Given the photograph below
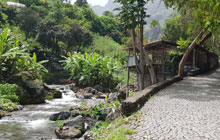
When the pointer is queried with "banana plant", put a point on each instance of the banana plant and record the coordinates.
(90, 69)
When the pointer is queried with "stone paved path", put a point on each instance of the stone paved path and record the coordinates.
(187, 110)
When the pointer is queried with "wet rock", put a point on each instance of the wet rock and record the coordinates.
(88, 136)
(79, 95)
(16, 108)
(89, 89)
(74, 89)
(88, 96)
(67, 132)
(98, 88)
(2, 114)
(122, 93)
(19, 107)
(101, 95)
(112, 97)
(77, 122)
(76, 111)
(31, 89)
(55, 93)
(89, 123)
(60, 116)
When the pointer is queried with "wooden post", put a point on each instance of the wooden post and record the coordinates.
(194, 59)
(128, 77)
(163, 62)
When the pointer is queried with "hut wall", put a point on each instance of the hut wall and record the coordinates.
(213, 61)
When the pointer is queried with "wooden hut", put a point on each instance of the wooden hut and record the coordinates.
(200, 60)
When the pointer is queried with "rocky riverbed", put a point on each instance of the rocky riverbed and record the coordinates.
(33, 121)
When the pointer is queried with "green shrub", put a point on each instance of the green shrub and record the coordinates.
(91, 69)
(8, 91)
(106, 46)
(14, 58)
(8, 97)
(97, 112)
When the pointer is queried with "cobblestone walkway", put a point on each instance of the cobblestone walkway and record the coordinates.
(187, 110)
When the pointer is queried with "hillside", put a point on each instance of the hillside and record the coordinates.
(157, 10)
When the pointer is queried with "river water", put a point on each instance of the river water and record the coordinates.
(32, 123)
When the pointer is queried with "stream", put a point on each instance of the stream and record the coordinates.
(32, 123)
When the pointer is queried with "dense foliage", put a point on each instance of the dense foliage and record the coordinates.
(14, 58)
(8, 97)
(61, 27)
(91, 69)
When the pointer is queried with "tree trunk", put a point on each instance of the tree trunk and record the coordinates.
(142, 62)
(187, 53)
(134, 49)
(150, 67)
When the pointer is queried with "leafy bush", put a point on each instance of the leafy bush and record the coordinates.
(8, 97)
(176, 56)
(91, 69)
(98, 111)
(14, 58)
(107, 47)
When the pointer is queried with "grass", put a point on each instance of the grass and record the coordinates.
(113, 131)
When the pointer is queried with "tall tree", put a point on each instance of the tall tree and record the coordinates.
(132, 15)
(81, 3)
(28, 21)
(206, 14)
(108, 14)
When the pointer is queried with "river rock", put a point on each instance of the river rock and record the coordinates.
(89, 123)
(55, 93)
(77, 122)
(2, 114)
(74, 89)
(98, 88)
(67, 132)
(18, 107)
(80, 108)
(88, 96)
(60, 116)
(112, 97)
(101, 95)
(31, 89)
(87, 136)
(79, 95)
(122, 93)
(89, 89)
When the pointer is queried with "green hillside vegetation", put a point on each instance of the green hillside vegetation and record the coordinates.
(46, 33)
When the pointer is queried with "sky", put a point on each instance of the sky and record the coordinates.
(96, 2)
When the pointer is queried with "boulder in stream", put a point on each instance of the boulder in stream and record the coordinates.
(53, 92)
(88, 96)
(2, 114)
(60, 116)
(31, 89)
(67, 132)
(77, 122)
(98, 88)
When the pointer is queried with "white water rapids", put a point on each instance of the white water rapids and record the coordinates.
(32, 123)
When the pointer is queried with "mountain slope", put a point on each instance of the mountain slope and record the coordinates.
(157, 11)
